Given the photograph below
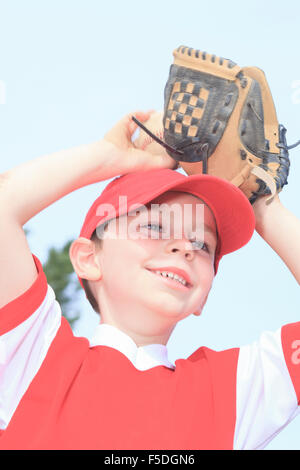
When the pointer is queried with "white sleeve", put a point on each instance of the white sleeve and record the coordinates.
(24, 342)
(266, 396)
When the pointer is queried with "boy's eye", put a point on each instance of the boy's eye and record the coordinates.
(199, 245)
(157, 226)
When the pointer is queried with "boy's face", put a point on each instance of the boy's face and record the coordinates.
(131, 295)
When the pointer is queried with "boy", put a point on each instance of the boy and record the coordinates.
(120, 391)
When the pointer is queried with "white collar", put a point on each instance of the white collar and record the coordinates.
(142, 357)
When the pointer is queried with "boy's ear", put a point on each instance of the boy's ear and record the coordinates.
(85, 263)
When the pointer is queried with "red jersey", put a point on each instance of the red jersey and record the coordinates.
(58, 391)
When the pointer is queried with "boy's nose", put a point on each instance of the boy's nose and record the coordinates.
(182, 245)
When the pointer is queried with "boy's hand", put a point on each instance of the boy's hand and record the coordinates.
(128, 158)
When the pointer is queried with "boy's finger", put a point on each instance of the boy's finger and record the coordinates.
(132, 127)
(140, 116)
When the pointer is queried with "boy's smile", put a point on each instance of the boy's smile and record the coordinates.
(173, 273)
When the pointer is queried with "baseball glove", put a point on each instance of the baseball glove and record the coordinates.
(220, 119)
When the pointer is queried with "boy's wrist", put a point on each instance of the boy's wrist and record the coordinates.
(105, 157)
(264, 211)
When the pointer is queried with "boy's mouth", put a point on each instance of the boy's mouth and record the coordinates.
(172, 279)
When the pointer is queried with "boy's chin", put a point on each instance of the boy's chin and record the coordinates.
(168, 310)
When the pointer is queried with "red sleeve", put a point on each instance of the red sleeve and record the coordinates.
(21, 308)
(290, 337)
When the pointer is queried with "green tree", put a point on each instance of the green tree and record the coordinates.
(61, 277)
(63, 280)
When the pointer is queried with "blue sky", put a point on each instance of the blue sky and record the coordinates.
(69, 69)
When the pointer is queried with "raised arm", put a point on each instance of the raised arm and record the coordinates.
(33, 186)
(280, 228)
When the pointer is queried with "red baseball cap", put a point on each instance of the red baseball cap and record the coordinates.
(233, 212)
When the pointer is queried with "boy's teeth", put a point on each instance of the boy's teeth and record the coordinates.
(172, 276)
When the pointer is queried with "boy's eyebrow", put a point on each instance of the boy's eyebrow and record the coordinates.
(209, 229)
